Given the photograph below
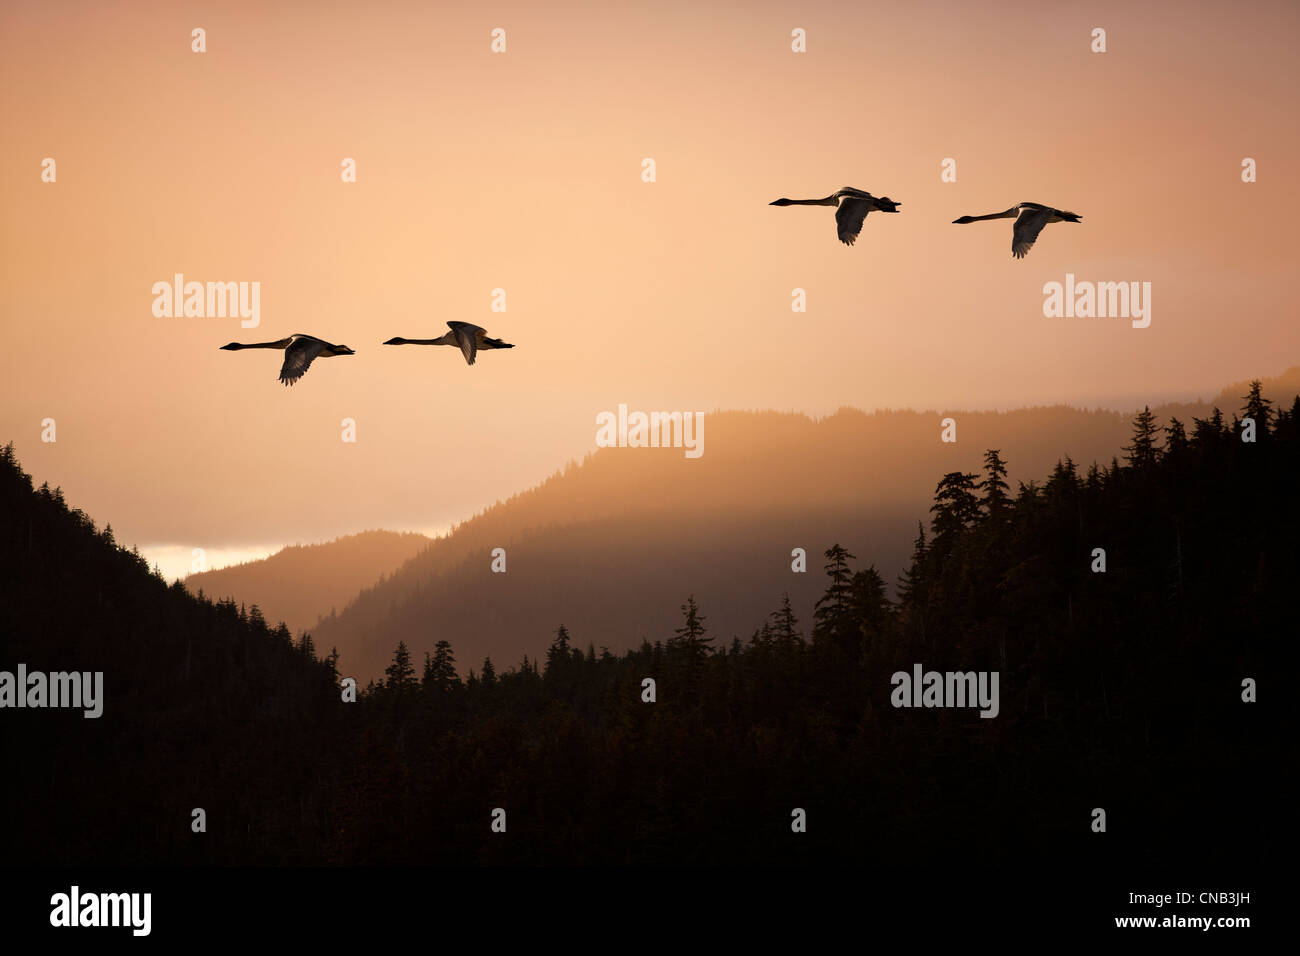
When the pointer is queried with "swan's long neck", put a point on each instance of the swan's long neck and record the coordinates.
(1009, 214)
(832, 200)
(423, 341)
(282, 343)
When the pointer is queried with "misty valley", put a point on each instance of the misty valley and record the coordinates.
(811, 737)
(363, 561)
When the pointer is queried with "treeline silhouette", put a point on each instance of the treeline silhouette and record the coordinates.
(1120, 689)
(205, 705)
(612, 544)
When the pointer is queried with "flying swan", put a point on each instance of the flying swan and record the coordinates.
(299, 352)
(468, 338)
(851, 212)
(1033, 217)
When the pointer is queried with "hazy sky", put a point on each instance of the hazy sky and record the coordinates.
(523, 171)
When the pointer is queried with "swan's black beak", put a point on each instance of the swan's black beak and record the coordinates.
(233, 347)
(394, 341)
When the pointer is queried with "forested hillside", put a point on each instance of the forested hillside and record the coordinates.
(611, 544)
(1121, 689)
(300, 583)
(204, 706)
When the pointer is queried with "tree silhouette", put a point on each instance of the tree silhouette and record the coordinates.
(994, 485)
(955, 508)
(690, 637)
(440, 669)
(1175, 438)
(832, 607)
(1259, 408)
(1097, 672)
(784, 630)
(559, 654)
(401, 673)
(1142, 452)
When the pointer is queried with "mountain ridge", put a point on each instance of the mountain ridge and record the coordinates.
(287, 585)
(860, 478)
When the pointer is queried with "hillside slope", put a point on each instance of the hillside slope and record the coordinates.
(610, 547)
(201, 706)
(300, 583)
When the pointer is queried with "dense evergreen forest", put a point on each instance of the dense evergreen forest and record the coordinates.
(1120, 689)
(704, 526)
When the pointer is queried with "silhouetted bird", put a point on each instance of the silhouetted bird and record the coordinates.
(854, 204)
(468, 338)
(299, 352)
(1033, 217)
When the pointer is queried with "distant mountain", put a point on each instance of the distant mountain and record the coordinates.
(300, 583)
(214, 739)
(612, 546)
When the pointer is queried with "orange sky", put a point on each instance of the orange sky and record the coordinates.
(522, 171)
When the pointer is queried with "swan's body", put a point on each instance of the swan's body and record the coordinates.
(854, 204)
(1030, 218)
(299, 352)
(466, 337)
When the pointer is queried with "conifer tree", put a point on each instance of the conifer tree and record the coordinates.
(332, 664)
(1175, 438)
(994, 485)
(911, 583)
(1142, 452)
(400, 673)
(440, 669)
(1093, 482)
(690, 636)
(558, 654)
(955, 508)
(1258, 408)
(784, 628)
(832, 606)
(1064, 481)
(870, 606)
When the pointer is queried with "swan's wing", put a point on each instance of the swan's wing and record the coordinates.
(467, 338)
(1028, 226)
(467, 326)
(849, 217)
(298, 357)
